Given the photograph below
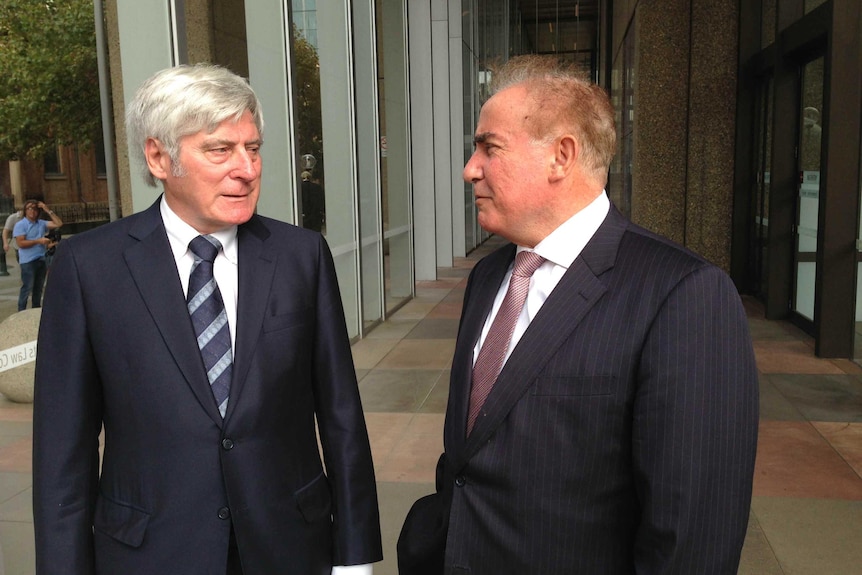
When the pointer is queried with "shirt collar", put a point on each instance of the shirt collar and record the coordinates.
(180, 234)
(566, 242)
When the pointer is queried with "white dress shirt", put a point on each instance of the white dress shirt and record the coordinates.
(224, 267)
(225, 272)
(559, 248)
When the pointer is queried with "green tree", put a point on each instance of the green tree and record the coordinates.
(49, 84)
(309, 124)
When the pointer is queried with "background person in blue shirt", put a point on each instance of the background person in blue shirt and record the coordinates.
(30, 235)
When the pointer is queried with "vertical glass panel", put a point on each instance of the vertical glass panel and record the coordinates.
(326, 146)
(368, 146)
(808, 199)
(767, 22)
(309, 125)
(229, 46)
(394, 151)
(468, 72)
(623, 97)
(268, 72)
(812, 4)
(762, 183)
(857, 340)
(566, 29)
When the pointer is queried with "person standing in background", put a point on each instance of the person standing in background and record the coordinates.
(8, 228)
(31, 237)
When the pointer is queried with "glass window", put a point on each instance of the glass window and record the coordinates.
(808, 199)
(394, 152)
(101, 163)
(767, 22)
(52, 163)
(334, 150)
(812, 4)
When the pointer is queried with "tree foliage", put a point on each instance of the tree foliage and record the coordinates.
(49, 84)
(309, 121)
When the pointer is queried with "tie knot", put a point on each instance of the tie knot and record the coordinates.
(526, 263)
(205, 248)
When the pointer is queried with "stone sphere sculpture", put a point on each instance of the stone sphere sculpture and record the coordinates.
(18, 334)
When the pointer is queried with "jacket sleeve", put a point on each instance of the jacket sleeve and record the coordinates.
(67, 419)
(344, 438)
(694, 432)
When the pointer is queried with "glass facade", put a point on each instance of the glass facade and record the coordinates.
(371, 107)
(338, 83)
(492, 32)
(327, 166)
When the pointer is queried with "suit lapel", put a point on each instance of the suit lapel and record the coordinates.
(256, 268)
(152, 267)
(577, 292)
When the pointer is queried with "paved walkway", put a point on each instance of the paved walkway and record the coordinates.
(807, 510)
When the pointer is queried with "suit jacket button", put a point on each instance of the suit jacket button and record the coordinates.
(460, 481)
(224, 513)
(227, 444)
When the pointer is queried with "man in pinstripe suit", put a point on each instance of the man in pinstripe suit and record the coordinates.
(620, 434)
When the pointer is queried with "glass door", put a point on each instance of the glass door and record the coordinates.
(857, 332)
(760, 189)
(808, 197)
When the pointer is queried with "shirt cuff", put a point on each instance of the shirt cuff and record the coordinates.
(367, 569)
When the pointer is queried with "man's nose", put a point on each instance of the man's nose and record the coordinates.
(472, 171)
(245, 165)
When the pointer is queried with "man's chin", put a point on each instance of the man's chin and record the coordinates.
(487, 224)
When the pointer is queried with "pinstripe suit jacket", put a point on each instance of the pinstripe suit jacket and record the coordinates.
(620, 435)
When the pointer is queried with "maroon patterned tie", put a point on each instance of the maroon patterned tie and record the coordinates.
(493, 351)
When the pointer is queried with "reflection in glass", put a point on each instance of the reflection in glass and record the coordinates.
(767, 22)
(760, 197)
(391, 22)
(857, 340)
(812, 4)
(309, 128)
(808, 199)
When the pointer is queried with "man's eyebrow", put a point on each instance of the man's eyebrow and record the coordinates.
(211, 142)
(482, 138)
(217, 142)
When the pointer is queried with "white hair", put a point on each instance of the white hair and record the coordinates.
(184, 100)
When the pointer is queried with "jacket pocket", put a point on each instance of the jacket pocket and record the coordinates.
(121, 522)
(314, 500)
(285, 320)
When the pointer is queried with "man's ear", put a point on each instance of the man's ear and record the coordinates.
(158, 160)
(566, 157)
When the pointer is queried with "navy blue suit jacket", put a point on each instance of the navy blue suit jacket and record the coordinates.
(117, 349)
(621, 433)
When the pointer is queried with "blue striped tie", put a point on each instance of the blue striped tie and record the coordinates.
(210, 319)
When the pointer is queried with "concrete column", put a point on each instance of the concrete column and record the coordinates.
(15, 182)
